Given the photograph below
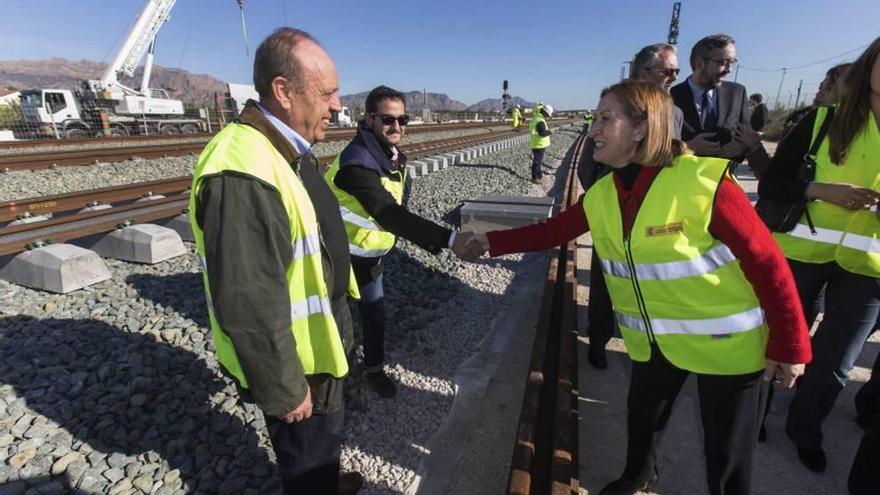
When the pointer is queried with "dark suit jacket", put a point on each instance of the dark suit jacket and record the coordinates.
(733, 108)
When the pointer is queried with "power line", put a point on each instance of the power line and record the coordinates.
(805, 65)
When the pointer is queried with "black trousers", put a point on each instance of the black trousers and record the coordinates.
(730, 408)
(852, 304)
(308, 453)
(599, 311)
(537, 159)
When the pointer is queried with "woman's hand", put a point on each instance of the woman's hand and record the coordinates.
(843, 195)
(783, 374)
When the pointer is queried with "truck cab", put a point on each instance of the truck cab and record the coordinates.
(47, 111)
(343, 118)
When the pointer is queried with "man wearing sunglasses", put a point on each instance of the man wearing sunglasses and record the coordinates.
(368, 181)
(657, 63)
(713, 108)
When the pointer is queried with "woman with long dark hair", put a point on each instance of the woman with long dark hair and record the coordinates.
(840, 251)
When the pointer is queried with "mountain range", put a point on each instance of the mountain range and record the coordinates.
(198, 89)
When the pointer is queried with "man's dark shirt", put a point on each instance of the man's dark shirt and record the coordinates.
(361, 165)
(759, 117)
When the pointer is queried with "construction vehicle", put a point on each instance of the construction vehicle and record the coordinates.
(107, 107)
(238, 94)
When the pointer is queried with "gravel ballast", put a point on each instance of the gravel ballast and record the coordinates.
(115, 388)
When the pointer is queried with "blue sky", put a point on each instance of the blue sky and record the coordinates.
(560, 52)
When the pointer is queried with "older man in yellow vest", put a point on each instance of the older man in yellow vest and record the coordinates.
(275, 261)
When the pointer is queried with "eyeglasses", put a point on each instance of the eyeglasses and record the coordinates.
(722, 61)
(390, 120)
(668, 72)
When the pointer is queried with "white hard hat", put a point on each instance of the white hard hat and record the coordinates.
(549, 110)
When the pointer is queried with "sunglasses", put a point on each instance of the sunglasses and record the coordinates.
(390, 120)
(668, 72)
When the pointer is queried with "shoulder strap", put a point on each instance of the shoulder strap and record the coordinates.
(808, 171)
(808, 168)
(823, 131)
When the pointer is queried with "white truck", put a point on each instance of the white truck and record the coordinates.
(239, 94)
(107, 107)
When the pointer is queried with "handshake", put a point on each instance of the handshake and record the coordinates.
(470, 246)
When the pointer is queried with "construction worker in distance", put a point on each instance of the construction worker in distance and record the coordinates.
(516, 113)
(588, 119)
(539, 138)
(368, 180)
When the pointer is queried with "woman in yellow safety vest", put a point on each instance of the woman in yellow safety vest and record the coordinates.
(840, 251)
(697, 284)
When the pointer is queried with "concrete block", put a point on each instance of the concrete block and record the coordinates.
(150, 197)
(143, 243)
(451, 159)
(418, 168)
(181, 225)
(27, 218)
(95, 207)
(59, 268)
(493, 212)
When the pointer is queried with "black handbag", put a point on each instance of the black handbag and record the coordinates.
(782, 216)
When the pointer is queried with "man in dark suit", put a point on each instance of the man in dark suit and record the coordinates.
(712, 108)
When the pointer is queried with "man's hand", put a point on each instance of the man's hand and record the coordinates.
(782, 373)
(469, 246)
(746, 136)
(731, 150)
(302, 411)
(703, 145)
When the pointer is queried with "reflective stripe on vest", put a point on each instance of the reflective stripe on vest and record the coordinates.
(724, 325)
(351, 217)
(672, 283)
(312, 305)
(851, 238)
(710, 261)
(243, 149)
(366, 238)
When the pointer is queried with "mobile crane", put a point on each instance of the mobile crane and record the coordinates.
(106, 106)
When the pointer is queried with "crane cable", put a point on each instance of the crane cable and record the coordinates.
(243, 27)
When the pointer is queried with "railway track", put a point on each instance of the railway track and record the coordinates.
(87, 156)
(333, 134)
(69, 224)
(545, 450)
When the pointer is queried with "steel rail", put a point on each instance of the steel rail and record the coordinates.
(19, 238)
(11, 210)
(544, 459)
(333, 134)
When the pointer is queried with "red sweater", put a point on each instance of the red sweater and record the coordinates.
(734, 222)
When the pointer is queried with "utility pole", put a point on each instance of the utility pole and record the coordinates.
(624, 70)
(736, 74)
(779, 91)
(796, 100)
(672, 39)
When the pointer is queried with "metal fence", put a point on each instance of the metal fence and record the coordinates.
(50, 120)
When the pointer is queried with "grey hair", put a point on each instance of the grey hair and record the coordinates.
(273, 59)
(647, 57)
